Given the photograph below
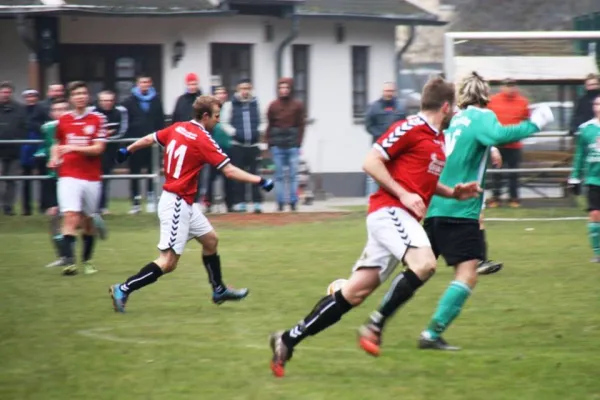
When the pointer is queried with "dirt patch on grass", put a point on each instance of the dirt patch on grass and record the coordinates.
(273, 219)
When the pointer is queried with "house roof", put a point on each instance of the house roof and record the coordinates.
(398, 11)
(527, 69)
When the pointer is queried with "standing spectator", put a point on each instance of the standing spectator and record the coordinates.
(55, 91)
(511, 108)
(117, 121)
(183, 108)
(284, 136)
(380, 116)
(243, 120)
(35, 118)
(584, 110)
(13, 126)
(146, 115)
(224, 141)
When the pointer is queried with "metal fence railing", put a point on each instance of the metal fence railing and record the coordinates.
(155, 176)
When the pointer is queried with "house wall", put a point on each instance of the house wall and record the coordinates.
(334, 142)
(15, 56)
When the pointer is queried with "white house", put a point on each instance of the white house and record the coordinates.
(339, 52)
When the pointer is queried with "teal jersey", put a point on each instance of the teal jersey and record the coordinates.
(587, 154)
(468, 140)
(48, 134)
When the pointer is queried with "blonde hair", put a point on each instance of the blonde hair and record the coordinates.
(473, 91)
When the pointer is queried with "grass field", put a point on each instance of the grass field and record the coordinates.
(529, 332)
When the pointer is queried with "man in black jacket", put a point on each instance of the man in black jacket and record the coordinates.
(35, 118)
(117, 120)
(13, 126)
(146, 115)
(584, 110)
(243, 120)
(183, 108)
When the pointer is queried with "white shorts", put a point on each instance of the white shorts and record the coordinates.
(391, 232)
(78, 195)
(179, 222)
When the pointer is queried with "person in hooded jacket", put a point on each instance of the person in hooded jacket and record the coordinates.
(183, 108)
(285, 132)
(146, 115)
(584, 110)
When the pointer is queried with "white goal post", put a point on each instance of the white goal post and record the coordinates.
(450, 39)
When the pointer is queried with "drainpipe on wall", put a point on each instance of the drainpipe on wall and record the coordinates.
(400, 53)
(33, 66)
(289, 39)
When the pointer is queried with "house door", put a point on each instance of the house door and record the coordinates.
(110, 67)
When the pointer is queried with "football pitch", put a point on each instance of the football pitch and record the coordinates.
(530, 332)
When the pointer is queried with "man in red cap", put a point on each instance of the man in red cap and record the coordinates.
(183, 108)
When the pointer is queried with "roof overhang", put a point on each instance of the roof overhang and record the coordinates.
(527, 69)
(113, 11)
(394, 18)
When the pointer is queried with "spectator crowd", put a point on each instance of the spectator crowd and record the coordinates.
(246, 128)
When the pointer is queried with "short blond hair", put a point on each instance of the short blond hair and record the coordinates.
(473, 91)
(205, 105)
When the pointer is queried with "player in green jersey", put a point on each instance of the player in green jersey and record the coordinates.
(58, 107)
(452, 226)
(587, 163)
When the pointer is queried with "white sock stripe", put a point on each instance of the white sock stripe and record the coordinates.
(309, 323)
(139, 279)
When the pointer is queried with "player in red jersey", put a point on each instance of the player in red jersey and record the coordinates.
(77, 156)
(188, 146)
(406, 162)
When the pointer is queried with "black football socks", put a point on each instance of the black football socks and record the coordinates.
(88, 247)
(483, 245)
(55, 234)
(68, 242)
(326, 312)
(147, 275)
(212, 263)
(402, 289)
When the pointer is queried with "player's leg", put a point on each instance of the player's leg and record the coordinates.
(417, 255)
(50, 207)
(70, 201)
(202, 230)
(486, 266)
(174, 217)
(91, 194)
(593, 193)
(460, 244)
(373, 267)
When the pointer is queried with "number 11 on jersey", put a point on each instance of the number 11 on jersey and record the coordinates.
(179, 155)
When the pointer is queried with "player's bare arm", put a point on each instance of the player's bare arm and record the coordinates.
(233, 172)
(374, 165)
(53, 161)
(462, 191)
(141, 143)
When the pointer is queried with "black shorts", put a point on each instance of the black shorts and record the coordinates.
(49, 198)
(456, 239)
(593, 197)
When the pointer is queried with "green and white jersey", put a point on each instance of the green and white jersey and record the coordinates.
(48, 134)
(468, 140)
(587, 154)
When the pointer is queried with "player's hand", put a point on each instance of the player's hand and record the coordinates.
(574, 186)
(52, 163)
(414, 203)
(122, 155)
(496, 157)
(464, 191)
(542, 116)
(65, 148)
(266, 184)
